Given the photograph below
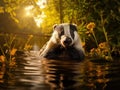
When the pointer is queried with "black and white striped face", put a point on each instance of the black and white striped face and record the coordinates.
(66, 34)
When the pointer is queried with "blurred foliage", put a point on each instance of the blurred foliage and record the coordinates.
(73, 11)
(10, 44)
(14, 20)
(52, 16)
(10, 6)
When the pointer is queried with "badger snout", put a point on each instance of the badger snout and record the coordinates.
(66, 41)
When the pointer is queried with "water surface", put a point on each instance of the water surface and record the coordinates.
(33, 73)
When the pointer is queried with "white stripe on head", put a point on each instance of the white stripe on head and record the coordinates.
(67, 30)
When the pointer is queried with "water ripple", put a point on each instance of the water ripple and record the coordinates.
(34, 73)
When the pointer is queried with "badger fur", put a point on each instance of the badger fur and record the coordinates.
(64, 41)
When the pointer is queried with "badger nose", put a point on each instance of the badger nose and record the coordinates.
(67, 41)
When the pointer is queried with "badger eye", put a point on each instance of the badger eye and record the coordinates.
(61, 33)
(72, 33)
(60, 30)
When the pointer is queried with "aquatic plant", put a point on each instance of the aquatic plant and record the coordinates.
(103, 49)
(90, 28)
(8, 51)
(2, 68)
(9, 47)
(27, 44)
(105, 34)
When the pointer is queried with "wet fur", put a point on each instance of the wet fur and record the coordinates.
(54, 48)
(60, 52)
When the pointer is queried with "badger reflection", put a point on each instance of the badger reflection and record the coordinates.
(62, 75)
(59, 75)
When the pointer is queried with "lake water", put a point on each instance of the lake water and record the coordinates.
(33, 73)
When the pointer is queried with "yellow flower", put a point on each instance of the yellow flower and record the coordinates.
(91, 25)
(2, 59)
(13, 51)
(103, 45)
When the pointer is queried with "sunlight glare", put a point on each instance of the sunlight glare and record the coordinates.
(36, 47)
(41, 3)
(39, 19)
(28, 10)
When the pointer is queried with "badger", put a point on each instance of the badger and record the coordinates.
(64, 42)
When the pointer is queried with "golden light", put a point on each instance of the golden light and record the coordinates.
(41, 3)
(39, 19)
(28, 10)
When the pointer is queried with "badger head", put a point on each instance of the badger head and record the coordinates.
(66, 34)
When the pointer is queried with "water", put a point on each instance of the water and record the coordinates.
(33, 73)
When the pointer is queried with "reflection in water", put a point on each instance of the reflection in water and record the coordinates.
(60, 74)
(36, 47)
(32, 73)
(75, 75)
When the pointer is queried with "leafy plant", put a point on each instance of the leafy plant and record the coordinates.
(27, 45)
(8, 50)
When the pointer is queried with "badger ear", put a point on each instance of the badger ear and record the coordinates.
(54, 26)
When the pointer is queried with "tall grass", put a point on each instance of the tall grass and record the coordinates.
(10, 45)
